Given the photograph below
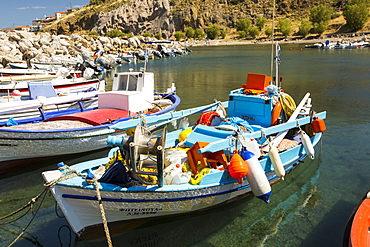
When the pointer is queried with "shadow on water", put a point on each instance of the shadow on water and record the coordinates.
(19, 187)
(324, 233)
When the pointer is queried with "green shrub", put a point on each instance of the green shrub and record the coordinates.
(260, 22)
(356, 14)
(320, 16)
(223, 33)
(92, 33)
(179, 35)
(158, 36)
(254, 31)
(114, 33)
(304, 28)
(285, 27)
(268, 31)
(242, 34)
(147, 34)
(243, 25)
(190, 32)
(199, 33)
(213, 31)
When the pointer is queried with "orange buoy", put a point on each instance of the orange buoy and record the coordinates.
(276, 113)
(238, 169)
(318, 125)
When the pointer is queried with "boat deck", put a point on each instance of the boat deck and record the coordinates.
(95, 117)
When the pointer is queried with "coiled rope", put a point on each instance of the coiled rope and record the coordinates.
(288, 104)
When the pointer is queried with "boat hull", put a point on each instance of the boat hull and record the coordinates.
(79, 203)
(22, 145)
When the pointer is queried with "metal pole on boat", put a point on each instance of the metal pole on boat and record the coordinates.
(160, 158)
(277, 51)
(272, 40)
(133, 156)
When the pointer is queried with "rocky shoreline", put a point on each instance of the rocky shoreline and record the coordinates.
(45, 47)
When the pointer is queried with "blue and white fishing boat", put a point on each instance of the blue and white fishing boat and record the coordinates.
(80, 129)
(263, 137)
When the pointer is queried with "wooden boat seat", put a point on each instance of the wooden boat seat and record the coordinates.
(205, 158)
(95, 117)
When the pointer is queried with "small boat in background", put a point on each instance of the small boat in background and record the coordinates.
(223, 157)
(357, 229)
(63, 82)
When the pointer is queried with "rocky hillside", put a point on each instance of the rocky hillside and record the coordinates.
(168, 16)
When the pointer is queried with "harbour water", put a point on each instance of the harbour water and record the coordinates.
(309, 208)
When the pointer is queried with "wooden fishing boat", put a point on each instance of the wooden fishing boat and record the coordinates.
(79, 130)
(220, 159)
(357, 229)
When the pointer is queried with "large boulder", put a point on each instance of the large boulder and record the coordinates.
(138, 17)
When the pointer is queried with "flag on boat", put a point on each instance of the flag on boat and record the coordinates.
(277, 56)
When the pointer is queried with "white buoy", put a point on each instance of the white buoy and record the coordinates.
(276, 161)
(307, 144)
(256, 176)
(252, 145)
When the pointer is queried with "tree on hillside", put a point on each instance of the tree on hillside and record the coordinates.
(179, 35)
(190, 32)
(319, 28)
(260, 22)
(268, 31)
(320, 13)
(285, 27)
(223, 33)
(213, 31)
(356, 14)
(254, 31)
(243, 25)
(199, 33)
(304, 28)
(320, 16)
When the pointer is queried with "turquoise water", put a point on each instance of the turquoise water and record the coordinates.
(309, 208)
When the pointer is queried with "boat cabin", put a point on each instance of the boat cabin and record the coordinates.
(129, 91)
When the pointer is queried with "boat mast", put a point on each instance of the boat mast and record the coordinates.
(272, 41)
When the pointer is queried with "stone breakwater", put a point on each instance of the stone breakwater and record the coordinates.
(44, 47)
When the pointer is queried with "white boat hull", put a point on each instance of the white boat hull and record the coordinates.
(81, 208)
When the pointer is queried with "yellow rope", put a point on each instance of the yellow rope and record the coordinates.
(104, 219)
(288, 104)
